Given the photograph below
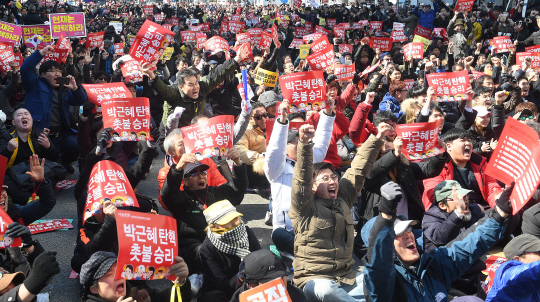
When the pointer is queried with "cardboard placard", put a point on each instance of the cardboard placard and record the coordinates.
(272, 291)
(414, 50)
(69, 25)
(129, 118)
(268, 78)
(344, 72)
(384, 44)
(95, 40)
(150, 43)
(451, 86)
(29, 31)
(535, 59)
(98, 93)
(464, 5)
(10, 33)
(49, 225)
(303, 89)
(210, 137)
(420, 140)
(503, 44)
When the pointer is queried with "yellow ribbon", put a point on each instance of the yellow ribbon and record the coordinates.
(14, 155)
(175, 291)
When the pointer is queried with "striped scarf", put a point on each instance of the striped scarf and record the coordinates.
(233, 242)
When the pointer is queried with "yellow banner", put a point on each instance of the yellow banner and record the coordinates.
(425, 41)
(304, 51)
(268, 78)
(167, 54)
(322, 21)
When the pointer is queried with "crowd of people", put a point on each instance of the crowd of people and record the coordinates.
(341, 192)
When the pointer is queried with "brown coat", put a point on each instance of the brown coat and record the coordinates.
(323, 244)
(252, 143)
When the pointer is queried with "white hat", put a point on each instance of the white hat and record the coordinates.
(401, 225)
(481, 110)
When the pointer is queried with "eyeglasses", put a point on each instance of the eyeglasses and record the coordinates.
(407, 230)
(196, 173)
(294, 141)
(58, 71)
(260, 117)
(523, 118)
(326, 178)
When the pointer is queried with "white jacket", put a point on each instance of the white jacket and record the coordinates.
(279, 170)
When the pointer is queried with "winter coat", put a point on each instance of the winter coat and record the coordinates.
(389, 103)
(386, 278)
(440, 227)
(39, 99)
(51, 154)
(492, 131)
(533, 39)
(324, 228)
(459, 48)
(516, 281)
(155, 295)
(427, 19)
(252, 143)
(278, 167)
(339, 130)
(410, 23)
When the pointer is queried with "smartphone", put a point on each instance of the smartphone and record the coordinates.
(504, 59)
(46, 131)
(62, 80)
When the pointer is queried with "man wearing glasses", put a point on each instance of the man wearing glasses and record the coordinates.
(48, 102)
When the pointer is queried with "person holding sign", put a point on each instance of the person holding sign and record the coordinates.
(458, 35)
(99, 285)
(187, 205)
(320, 207)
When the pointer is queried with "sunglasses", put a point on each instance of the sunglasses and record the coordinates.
(260, 117)
(196, 173)
(407, 230)
(524, 118)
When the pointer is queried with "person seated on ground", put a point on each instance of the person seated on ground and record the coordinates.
(37, 208)
(531, 220)
(252, 147)
(24, 141)
(518, 278)
(397, 270)
(321, 217)
(24, 282)
(48, 102)
(99, 284)
(263, 266)
(229, 241)
(187, 206)
(465, 167)
(279, 167)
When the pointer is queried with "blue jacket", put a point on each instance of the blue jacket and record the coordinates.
(389, 103)
(516, 281)
(387, 279)
(39, 99)
(427, 19)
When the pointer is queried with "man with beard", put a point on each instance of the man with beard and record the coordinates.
(458, 35)
(450, 216)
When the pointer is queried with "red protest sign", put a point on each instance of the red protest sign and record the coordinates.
(148, 10)
(224, 27)
(398, 36)
(331, 22)
(535, 59)
(196, 28)
(236, 26)
(370, 69)
(320, 44)
(209, 137)
(295, 126)
(420, 139)
(360, 24)
(339, 33)
(18, 60)
(397, 26)
(344, 72)
(243, 38)
(158, 17)
(216, 44)
(343, 48)
(119, 49)
(274, 290)
(384, 44)
(108, 182)
(297, 3)
(172, 21)
(535, 48)
(464, 5)
(321, 59)
(150, 43)
(266, 40)
(58, 55)
(477, 74)
(451, 86)
(275, 33)
(128, 117)
(101, 92)
(147, 245)
(440, 33)
(201, 39)
(65, 184)
(303, 89)
(422, 31)
(376, 25)
(322, 30)
(6, 56)
(503, 44)
(131, 70)
(249, 58)
(187, 36)
(95, 40)
(235, 18)
(312, 37)
(250, 15)
(414, 50)
(345, 26)
(309, 26)
(49, 225)
(408, 83)
(5, 241)
(296, 43)
(492, 264)
(516, 159)
(255, 34)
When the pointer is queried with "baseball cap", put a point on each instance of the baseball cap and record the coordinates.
(444, 189)
(263, 266)
(291, 135)
(192, 166)
(401, 224)
(221, 212)
(6, 278)
(96, 267)
(481, 110)
(524, 113)
(520, 245)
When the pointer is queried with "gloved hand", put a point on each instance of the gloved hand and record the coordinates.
(154, 132)
(330, 78)
(390, 196)
(104, 138)
(45, 267)
(178, 112)
(87, 108)
(356, 79)
(16, 229)
(503, 202)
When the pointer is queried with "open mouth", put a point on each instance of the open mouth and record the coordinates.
(332, 192)
(467, 151)
(195, 93)
(3, 204)
(120, 288)
(24, 122)
(411, 246)
(202, 184)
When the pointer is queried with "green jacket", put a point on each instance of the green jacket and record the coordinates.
(173, 96)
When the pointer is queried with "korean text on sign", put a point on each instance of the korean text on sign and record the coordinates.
(69, 25)
(384, 44)
(273, 291)
(147, 245)
(212, 137)
(414, 50)
(150, 43)
(420, 140)
(268, 78)
(516, 158)
(304, 90)
(10, 33)
(5, 241)
(464, 5)
(108, 182)
(98, 93)
(129, 118)
(535, 59)
(344, 72)
(450, 86)
(28, 31)
(502, 44)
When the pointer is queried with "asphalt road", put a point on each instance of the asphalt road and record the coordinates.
(64, 289)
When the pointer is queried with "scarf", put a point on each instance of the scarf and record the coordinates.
(232, 242)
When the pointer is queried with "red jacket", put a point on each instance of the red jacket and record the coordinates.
(361, 127)
(346, 97)
(339, 130)
(487, 184)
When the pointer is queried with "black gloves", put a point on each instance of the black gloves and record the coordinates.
(356, 79)
(154, 131)
(16, 229)
(87, 109)
(330, 78)
(390, 196)
(104, 137)
(45, 267)
(503, 202)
